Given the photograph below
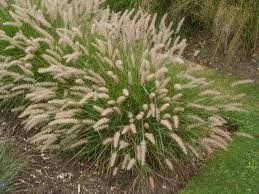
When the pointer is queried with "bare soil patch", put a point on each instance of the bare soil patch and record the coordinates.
(51, 174)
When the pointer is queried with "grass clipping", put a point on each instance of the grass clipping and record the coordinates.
(108, 86)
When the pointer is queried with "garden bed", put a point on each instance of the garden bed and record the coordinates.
(108, 108)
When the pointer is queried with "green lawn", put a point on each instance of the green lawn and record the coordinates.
(237, 170)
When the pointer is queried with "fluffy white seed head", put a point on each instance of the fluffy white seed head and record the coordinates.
(113, 159)
(100, 122)
(125, 161)
(143, 150)
(131, 164)
(123, 144)
(116, 139)
(179, 141)
(146, 125)
(115, 171)
(107, 141)
(133, 128)
(125, 92)
(176, 121)
(166, 124)
(106, 112)
(169, 164)
(152, 182)
(121, 99)
(145, 107)
(164, 107)
(241, 82)
(177, 86)
(150, 137)
(98, 108)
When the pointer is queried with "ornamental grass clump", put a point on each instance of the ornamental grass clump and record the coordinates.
(12, 160)
(108, 86)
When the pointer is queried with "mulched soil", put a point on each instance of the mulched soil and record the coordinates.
(52, 173)
(49, 174)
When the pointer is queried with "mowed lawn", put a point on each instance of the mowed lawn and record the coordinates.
(237, 170)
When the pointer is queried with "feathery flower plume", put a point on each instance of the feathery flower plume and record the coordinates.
(108, 141)
(237, 97)
(152, 95)
(116, 139)
(179, 25)
(153, 109)
(179, 141)
(119, 64)
(100, 127)
(196, 118)
(178, 109)
(233, 108)
(169, 164)
(176, 121)
(209, 92)
(100, 122)
(115, 170)
(63, 121)
(152, 182)
(129, 77)
(166, 124)
(111, 102)
(218, 138)
(88, 121)
(125, 160)
(217, 120)
(123, 144)
(150, 137)
(193, 150)
(145, 107)
(98, 109)
(213, 143)
(166, 116)
(146, 125)
(106, 112)
(125, 129)
(133, 128)
(177, 96)
(164, 107)
(77, 144)
(222, 133)
(241, 82)
(125, 92)
(143, 150)
(113, 159)
(121, 99)
(138, 152)
(177, 86)
(131, 164)
(204, 107)
(241, 134)
(140, 116)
